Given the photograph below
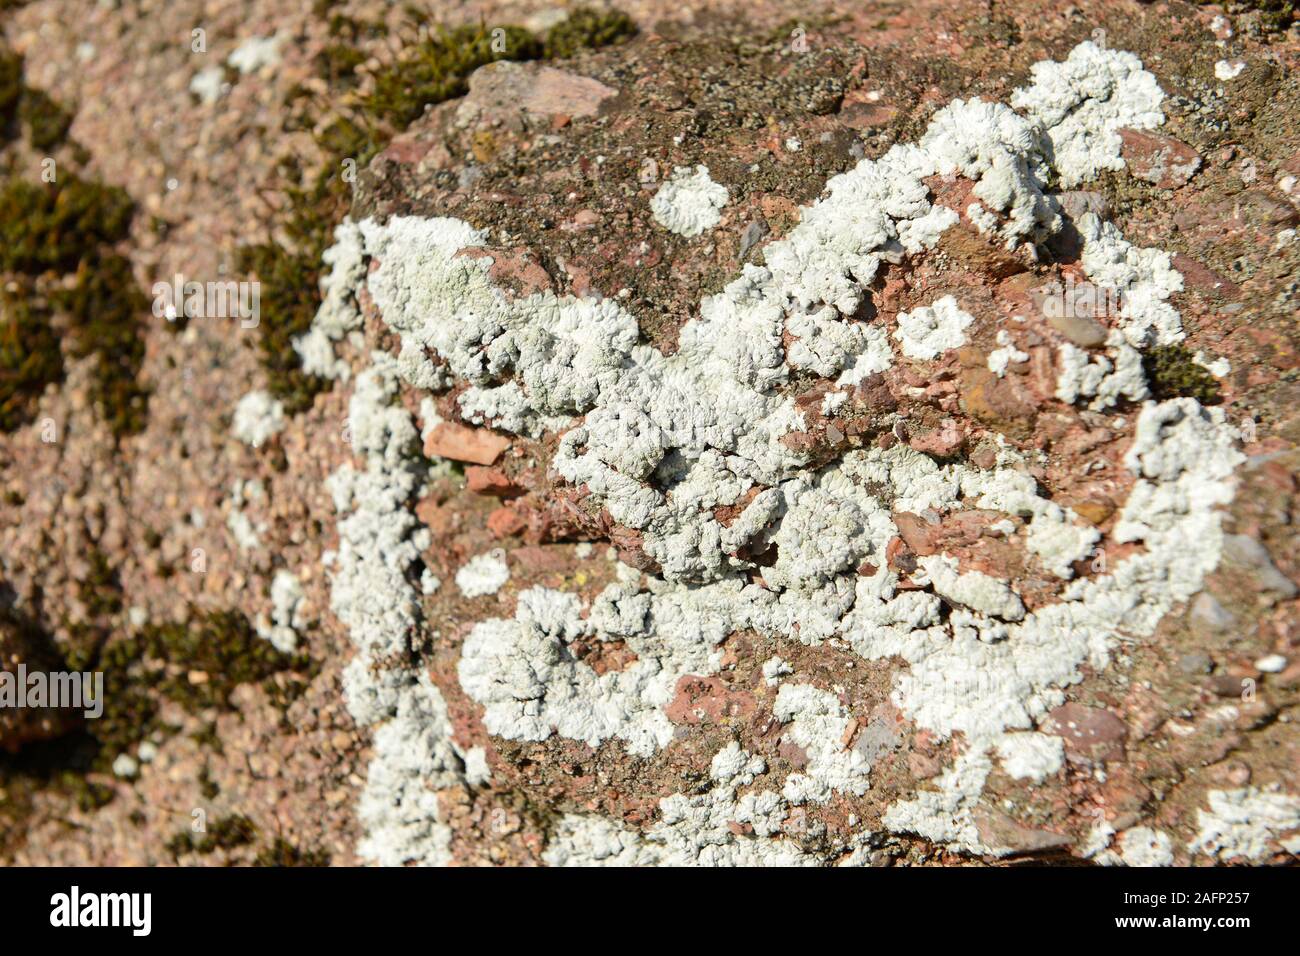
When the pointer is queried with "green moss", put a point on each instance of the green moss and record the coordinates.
(226, 833)
(47, 120)
(1172, 372)
(99, 592)
(437, 68)
(586, 28)
(59, 225)
(57, 757)
(197, 665)
(207, 786)
(289, 269)
(11, 89)
(337, 64)
(1275, 15)
(105, 306)
(283, 853)
(289, 301)
(30, 359)
(223, 647)
(207, 736)
(66, 227)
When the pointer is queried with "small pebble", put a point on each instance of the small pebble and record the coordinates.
(1272, 664)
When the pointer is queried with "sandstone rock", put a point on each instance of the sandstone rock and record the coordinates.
(1159, 159)
(1247, 553)
(462, 443)
(491, 481)
(1076, 202)
(1092, 735)
(1082, 330)
(504, 92)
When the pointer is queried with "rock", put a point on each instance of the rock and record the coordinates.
(1226, 685)
(1195, 663)
(1158, 159)
(504, 91)
(1000, 402)
(1197, 275)
(899, 556)
(980, 253)
(924, 766)
(867, 115)
(796, 755)
(1248, 554)
(1095, 510)
(752, 235)
(541, 559)
(491, 481)
(1272, 211)
(873, 393)
(1210, 615)
(1271, 664)
(479, 446)
(631, 548)
(941, 442)
(1092, 735)
(1077, 202)
(1084, 331)
(505, 522)
(1001, 832)
(700, 699)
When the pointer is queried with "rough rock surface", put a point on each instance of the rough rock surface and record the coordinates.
(916, 485)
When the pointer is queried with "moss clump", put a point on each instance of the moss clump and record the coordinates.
(100, 590)
(438, 68)
(100, 594)
(1275, 15)
(586, 28)
(57, 226)
(11, 90)
(68, 227)
(226, 833)
(207, 786)
(105, 305)
(284, 853)
(24, 642)
(337, 64)
(289, 302)
(209, 658)
(197, 665)
(1172, 372)
(44, 750)
(47, 121)
(289, 270)
(30, 359)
